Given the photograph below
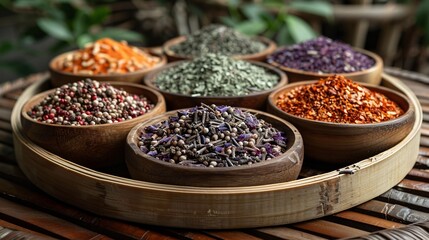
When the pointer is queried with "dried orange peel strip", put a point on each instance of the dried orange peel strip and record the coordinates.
(107, 56)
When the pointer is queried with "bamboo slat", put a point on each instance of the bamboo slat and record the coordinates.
(53, 226)
(288, 233)
(220, 208)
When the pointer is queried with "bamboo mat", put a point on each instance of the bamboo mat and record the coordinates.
(28, 213)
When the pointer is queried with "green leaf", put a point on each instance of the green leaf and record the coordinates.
(299, 30)
(229, 21)
(253, 11)
(320, 8)
(252, 27)
(120, 34)
(99, 14)
(56, 29)
(80, 24)
(84, 39)
(283, 36)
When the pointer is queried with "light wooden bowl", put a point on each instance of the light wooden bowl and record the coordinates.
(261, 56)
(59, 78)
(94, 146)
(371, 75)
(283, 168)
(256, 100)
(340, 144)
(143, 202)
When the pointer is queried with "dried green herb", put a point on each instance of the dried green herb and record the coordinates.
(218, 39)
(215, 75)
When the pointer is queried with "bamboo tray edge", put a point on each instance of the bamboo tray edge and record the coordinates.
(215, 208)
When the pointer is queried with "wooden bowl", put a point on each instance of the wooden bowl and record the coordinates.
(285, 167)
(340, 144)
(59, 78)
(94, 146)
(371, 75)
(261, 56)
(256, 100)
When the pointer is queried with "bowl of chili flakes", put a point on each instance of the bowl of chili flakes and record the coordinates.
(341, 121)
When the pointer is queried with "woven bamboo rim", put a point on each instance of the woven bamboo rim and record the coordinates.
(216, 208)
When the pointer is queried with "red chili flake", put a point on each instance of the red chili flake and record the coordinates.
(339, 100)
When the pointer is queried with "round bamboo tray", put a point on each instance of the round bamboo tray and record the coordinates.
(217, 207)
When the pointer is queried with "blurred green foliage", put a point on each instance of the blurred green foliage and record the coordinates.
(272, 19)
(422, 19)
(70, 23)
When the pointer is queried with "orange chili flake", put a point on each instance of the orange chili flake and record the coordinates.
(339, 100)
(107, 56)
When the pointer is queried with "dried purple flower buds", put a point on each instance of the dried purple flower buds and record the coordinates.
(322, 55)
(212, 136)
(89, 102)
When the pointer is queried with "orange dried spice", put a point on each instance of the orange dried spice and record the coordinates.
(339, 100)
(107, 56)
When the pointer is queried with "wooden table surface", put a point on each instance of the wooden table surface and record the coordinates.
(28, 213)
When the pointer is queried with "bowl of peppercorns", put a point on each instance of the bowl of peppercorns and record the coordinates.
(104, 60)
(220, 39)
(214, 146)
(87, 121)
(343, 121)
(322, 57)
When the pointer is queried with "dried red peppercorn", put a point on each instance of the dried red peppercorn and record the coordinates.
(339, 100)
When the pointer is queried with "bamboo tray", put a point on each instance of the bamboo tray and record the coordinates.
(216, 208)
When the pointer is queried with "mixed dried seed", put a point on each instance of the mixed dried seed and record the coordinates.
(215, 75)
(107, 56)
(212, 136)
(218, 39)
(322, 55)
(89, 102)
(339, 100)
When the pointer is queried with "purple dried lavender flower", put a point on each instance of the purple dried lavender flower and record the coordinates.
(251, 121)
(144, 149)
(218, 149)
(152, 153)
(151, 129)
(222, 127)
(322, 55)
(244, 136)
(222, 108)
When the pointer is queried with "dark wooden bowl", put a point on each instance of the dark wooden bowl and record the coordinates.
(59, 78)
(94, 146)
(341, 144)
(285, 167)
(261, 56)
(256, 100)
(371, 75)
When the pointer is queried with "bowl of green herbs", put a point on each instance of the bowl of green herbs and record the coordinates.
(216, 79)
(216, 38)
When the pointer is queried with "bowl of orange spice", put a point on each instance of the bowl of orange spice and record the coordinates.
(341, 121)
(104, 60)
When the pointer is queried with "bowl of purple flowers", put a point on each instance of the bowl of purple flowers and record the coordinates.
(214, 146)
(322, 57)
